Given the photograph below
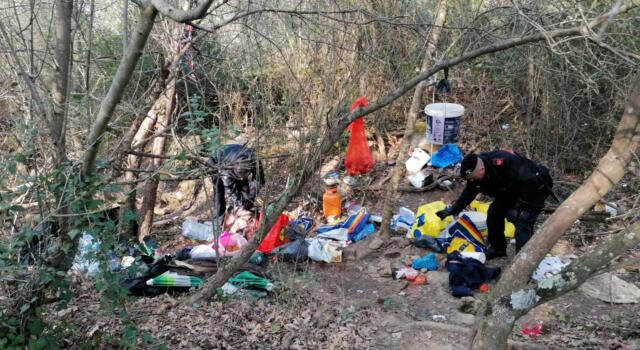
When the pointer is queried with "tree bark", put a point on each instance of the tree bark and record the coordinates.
(139, 131)
(495, 327)
(391, 197)
(64, 9)
(125, 25)
(151, 187)
(60, 93)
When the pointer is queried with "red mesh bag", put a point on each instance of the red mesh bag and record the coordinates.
(359, 159)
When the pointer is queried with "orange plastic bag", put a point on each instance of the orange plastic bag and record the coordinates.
(359, 159)
(276, 236)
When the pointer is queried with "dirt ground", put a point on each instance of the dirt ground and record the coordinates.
(353, 304)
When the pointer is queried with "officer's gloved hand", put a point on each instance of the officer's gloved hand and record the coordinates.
(444, 213)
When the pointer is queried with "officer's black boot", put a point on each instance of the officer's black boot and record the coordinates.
(493, 253)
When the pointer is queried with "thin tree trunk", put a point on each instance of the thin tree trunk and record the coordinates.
(391, 197)
(151, 187)
(125, 25)
(87, 73)
(64, 58)
(144, 128)
(495, 328)
(118, 85)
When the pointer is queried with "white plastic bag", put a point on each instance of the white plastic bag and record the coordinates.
(549, 266)
(339, 234)
(230, 245)
(85, 261)
(324, 250)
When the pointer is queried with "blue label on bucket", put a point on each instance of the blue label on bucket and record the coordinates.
(447, 132)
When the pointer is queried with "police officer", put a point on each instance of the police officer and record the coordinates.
(519, 186)
(238, 178)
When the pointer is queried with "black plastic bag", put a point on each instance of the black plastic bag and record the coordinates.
(429, 243)
(297, 250)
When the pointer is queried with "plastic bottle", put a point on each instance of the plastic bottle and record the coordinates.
(331, 203)
(195, 230)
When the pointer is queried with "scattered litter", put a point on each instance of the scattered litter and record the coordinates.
(229, 244)
(324, 250)
(352, 208)
(127, 261)
(331, 203)
(375, 218)
(446, 156)
(420, 180)
(407, 273)
(229, 289)
(403, 220)
(367, 231)
(257, 258)
(246, 279)
(429, 242)
(297, 250)
(419, 158)
(85, 262)
(532, 330)
(443, 119)
(331, 179)
(150, 247)
(427, 222)
(447, 184)
(192, 229)
(465, 237)
(428, 262)
(481, 257)
(172, 279)
(466, 275)
(276, 236)
(611, 209)
(419, 280)
(549, 266)
(347, 229)
(241, 221)
(505, 126)
(611, 289)
(439, 318)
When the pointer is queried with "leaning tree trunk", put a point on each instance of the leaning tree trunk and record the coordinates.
(494, 335)
(139, 131)
(151, 187)
(495, 328)
(117, 87)
(391, 197)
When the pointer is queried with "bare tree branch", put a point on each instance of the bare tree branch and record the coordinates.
(178, 15)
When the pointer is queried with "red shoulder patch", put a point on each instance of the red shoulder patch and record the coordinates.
(498, 161)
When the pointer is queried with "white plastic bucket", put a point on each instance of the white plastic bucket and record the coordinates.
(443, 122)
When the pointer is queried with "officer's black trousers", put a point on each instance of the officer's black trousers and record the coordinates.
(522, 216)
